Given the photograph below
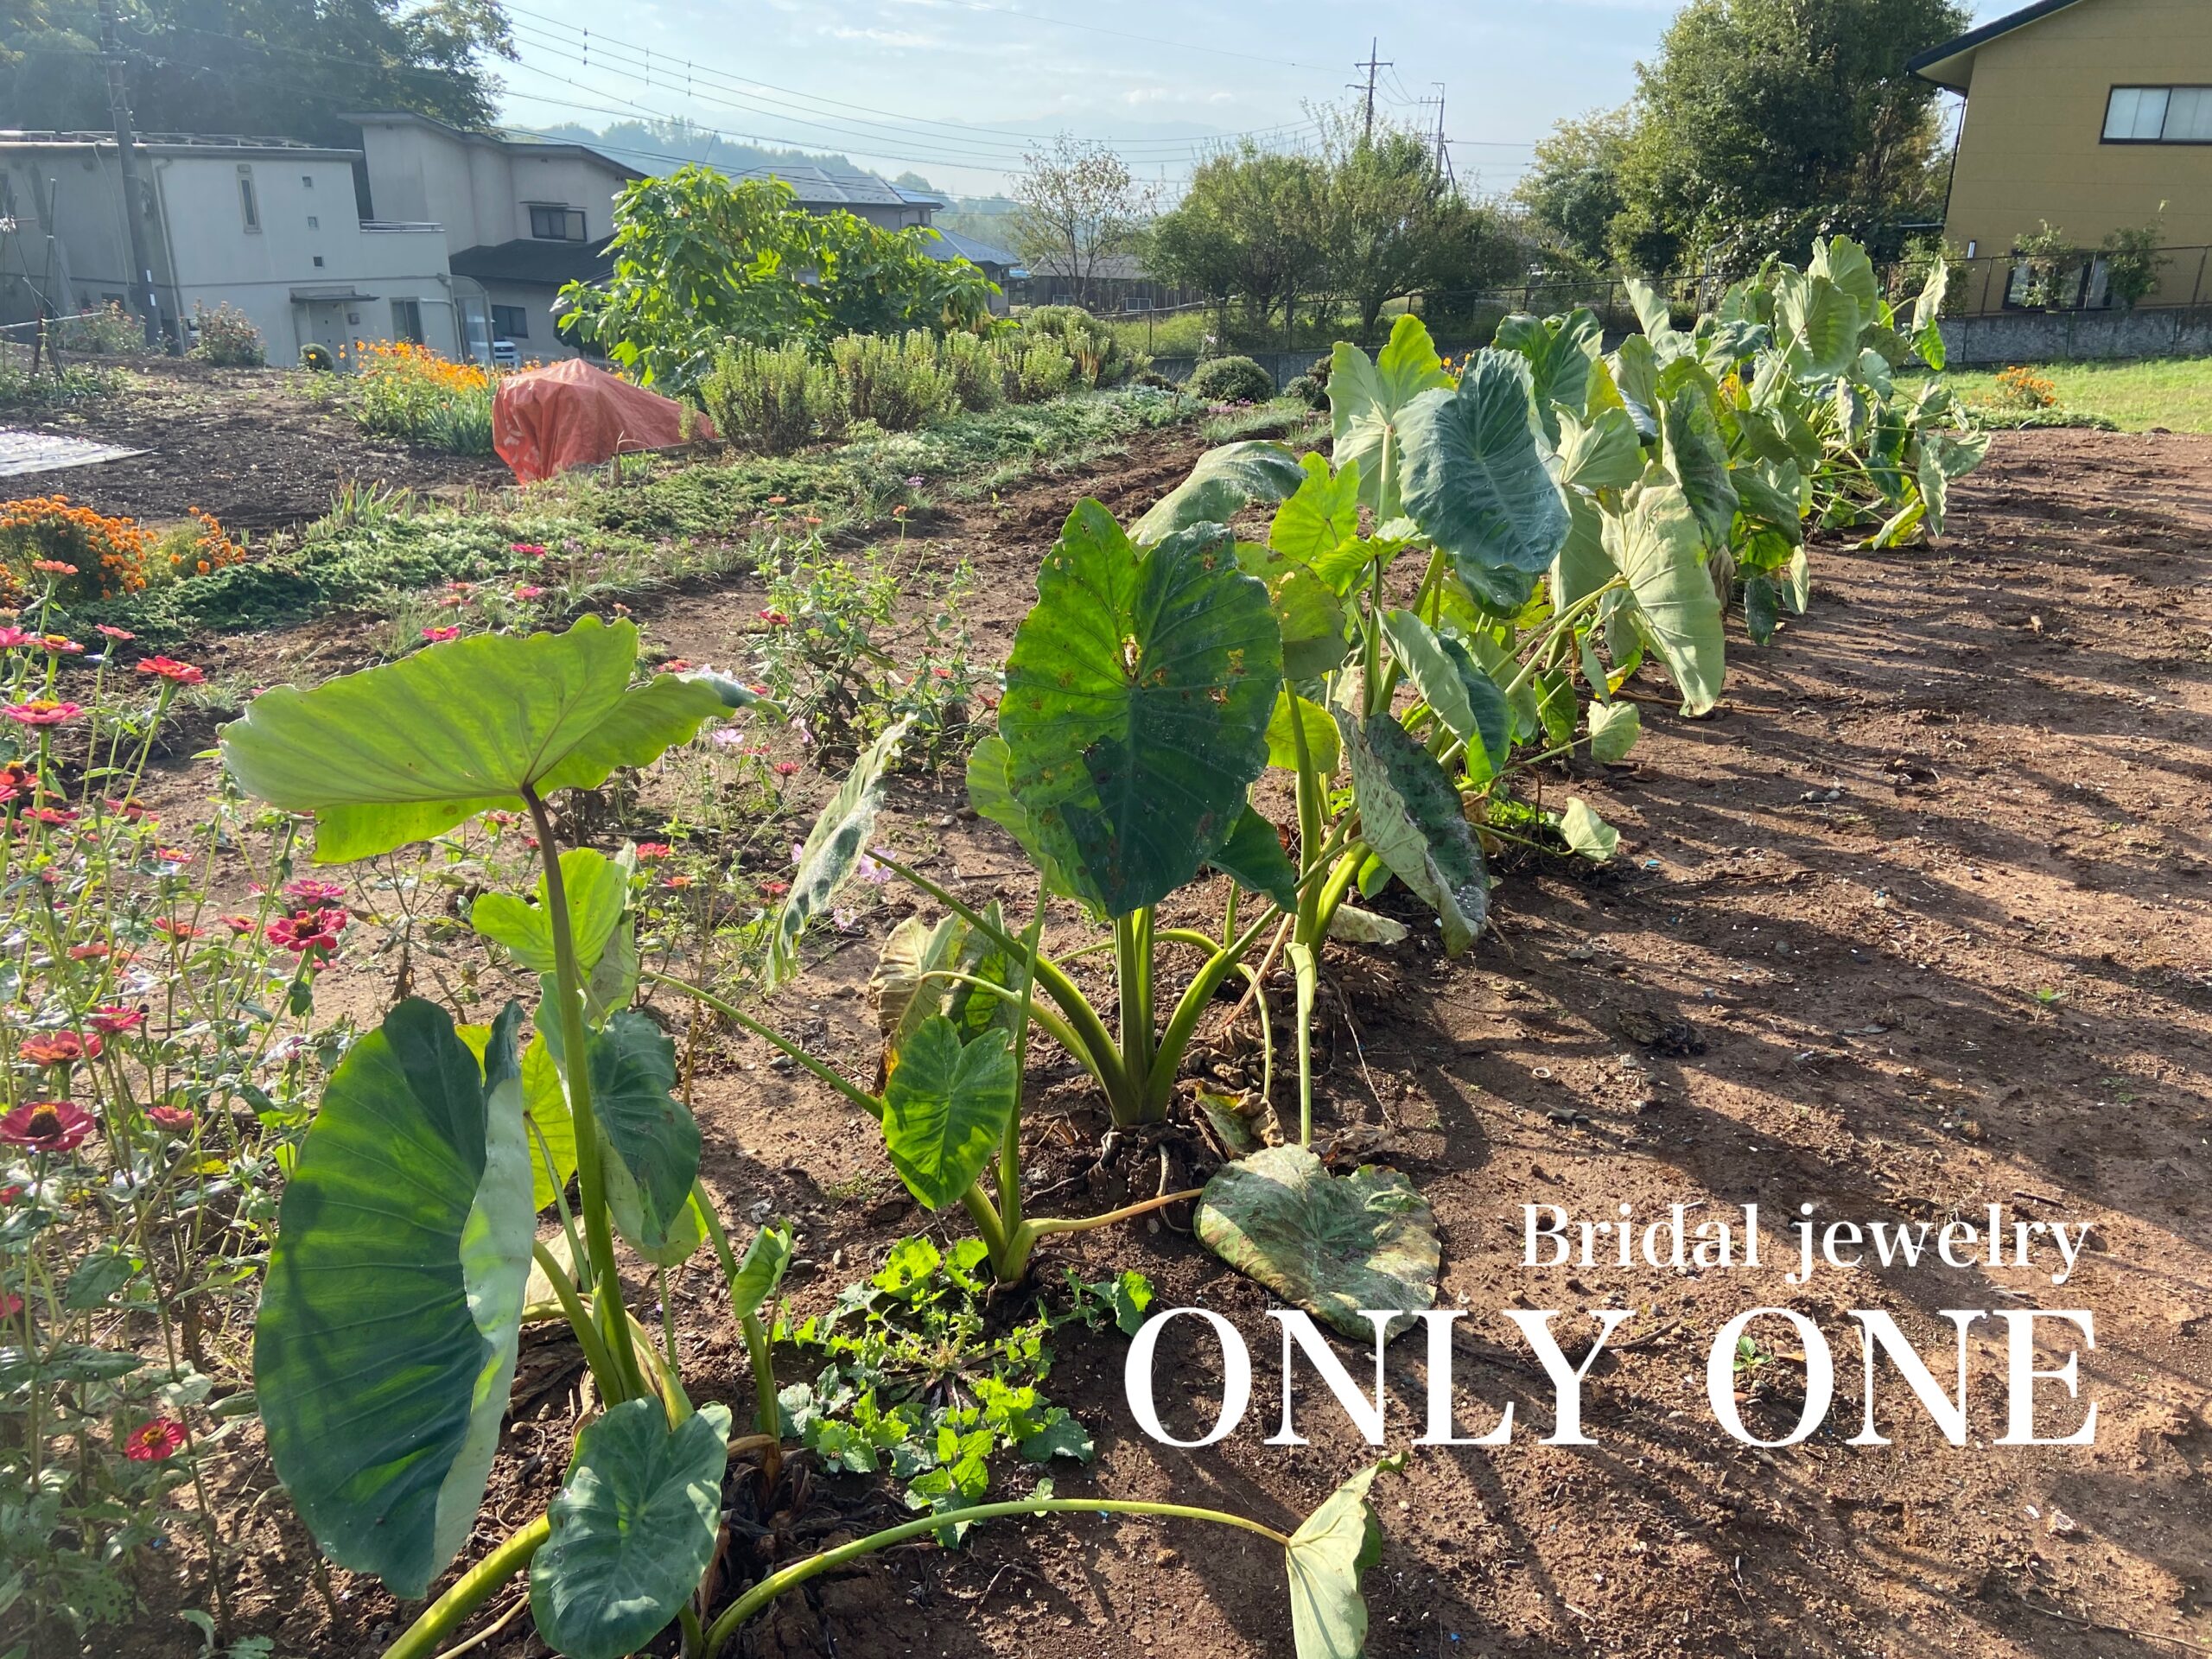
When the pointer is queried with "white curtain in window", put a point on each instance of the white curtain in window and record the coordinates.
(2138, 112)
(2189, 116)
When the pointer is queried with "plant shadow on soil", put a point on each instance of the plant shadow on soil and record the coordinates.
(1975, 772)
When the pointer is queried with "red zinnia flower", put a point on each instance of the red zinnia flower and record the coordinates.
(533, 549)
(168, 668)
(307, 891)
(178, 930)
(115, 1020)
(113, 633)
(46, 1126)
(58, 1048)
(170, 1118)
(50, 815)
(54, 567)
(88, 952)
(775, 889)
(239, 925)
(172, 855)
(786, 768)
(775, 618)
(308, 931)
(152, 1442)
(132, 810)
(650, 850)
(11, 1305)
(439, 636)
(42, 713)
(676, 665)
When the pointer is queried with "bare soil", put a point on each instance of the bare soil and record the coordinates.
(246, 445)
(1915, 924)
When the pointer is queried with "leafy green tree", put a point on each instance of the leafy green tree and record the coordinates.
(296, 65)
(701, 260)
(1076, 207)
(1572, 194)
(1764, 123)
(1249, 228)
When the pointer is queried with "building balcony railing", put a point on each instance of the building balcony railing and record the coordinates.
(2081, 279)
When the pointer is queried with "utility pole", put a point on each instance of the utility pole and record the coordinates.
(1443, 145)
(1371, 65)
(134, 203)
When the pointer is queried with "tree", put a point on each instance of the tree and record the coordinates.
(1572, 194)
(1250, 228)
(1762, 123)
(284, 67)
(1076, 206)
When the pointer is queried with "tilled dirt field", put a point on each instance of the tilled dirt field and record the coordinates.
(1915, 924)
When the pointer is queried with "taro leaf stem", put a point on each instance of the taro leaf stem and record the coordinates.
(591, 1175)
(473, 1588)
(726, 1626)
(767, 1416)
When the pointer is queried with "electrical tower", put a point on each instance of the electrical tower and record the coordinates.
(1371, 65)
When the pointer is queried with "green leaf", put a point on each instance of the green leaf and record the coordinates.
(1560, 350)
(1768, 492)
(652, 1135)
(831, 854)
(633, 1528)
(944, 1107)
(992, 795)
(1320, 733)
(1321, 515)
(1590, 836)
(1927, 315)
(1607, 454)
(1333, 1245)
(1137, 698)
(1821, 324)
(1698, 457)
(1762, 608)
(1470, 704)
(1844, 262)
(1224, 482)
(544, 1104)
(759, 1270)
(1253, 857)
(1411, 818)
(1337, 1542)
(1309, 616)
(1477, 483)
(386, 1344)
(1367, 397)
(1614, 728)
(1583, 565)
(1657, 546)
(1062, 1436)
(96, 1279)
(406, 750)
(598, 890)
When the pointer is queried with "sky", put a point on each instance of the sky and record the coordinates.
(959, 90)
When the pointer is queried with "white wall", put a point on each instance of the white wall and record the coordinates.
(479, 189)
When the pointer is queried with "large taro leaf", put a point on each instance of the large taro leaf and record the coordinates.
(1367, 398)
(652, 1135)
(1844, 262)
(991, 793)
(1452, 682)
(944, 1107)
(1411, 819)
(1605, 455)
(1336, 1245)
(597, 888)
(1337, 1543)
(1477, 481)
(1320, 516)
(1658, 547)
(1254, 858)
(406, 750)
(1296, 715)
(1821, 322)
(1224, 482)
(1137, 698)
(549, 1133)
(759, 1270)
(1697, 455)
(634, 1529)
(1560, 350)
(832, 853)
(385, 1346)
(1927, 316)
(1309, 616)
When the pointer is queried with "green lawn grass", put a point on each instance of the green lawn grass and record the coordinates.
(2172, 392)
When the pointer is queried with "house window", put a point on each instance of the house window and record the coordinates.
(318, 262)
(313, 223)
(510, 322)
(248, 209)
(557, 224)
(407, 319)
(307, 180)
(2159, 115)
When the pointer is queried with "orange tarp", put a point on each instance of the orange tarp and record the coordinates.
(572, 414)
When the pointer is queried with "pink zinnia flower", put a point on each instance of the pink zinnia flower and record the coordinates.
(533, 549)
(439, 636)
(528, 592)
(46, 1126)
(115, 1020)
(307, 891)
(113, 633)
(170, 1118)
(167, 668)
(153, 1441)
(650, 850)
(307, 932)
(42, 713)
(11, 637)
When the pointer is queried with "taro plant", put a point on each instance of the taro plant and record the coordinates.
(408, 1253)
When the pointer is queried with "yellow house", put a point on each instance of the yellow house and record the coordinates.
(2094, 116)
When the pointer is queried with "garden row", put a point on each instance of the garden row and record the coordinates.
(1576, 518)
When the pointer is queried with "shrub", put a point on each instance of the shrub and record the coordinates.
(770, 399)
(1031, 369)
(1230, 380)
(199, 548)
(973, 368)
(227, 339)
(83, 554)
(1098, 357)
(894, 380)
(1309, 390)
(404, 391)
(2133, 262)
(73, 383)
(111, 331)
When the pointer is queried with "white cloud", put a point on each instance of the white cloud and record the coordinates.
(1145, 95)
(898, 37)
